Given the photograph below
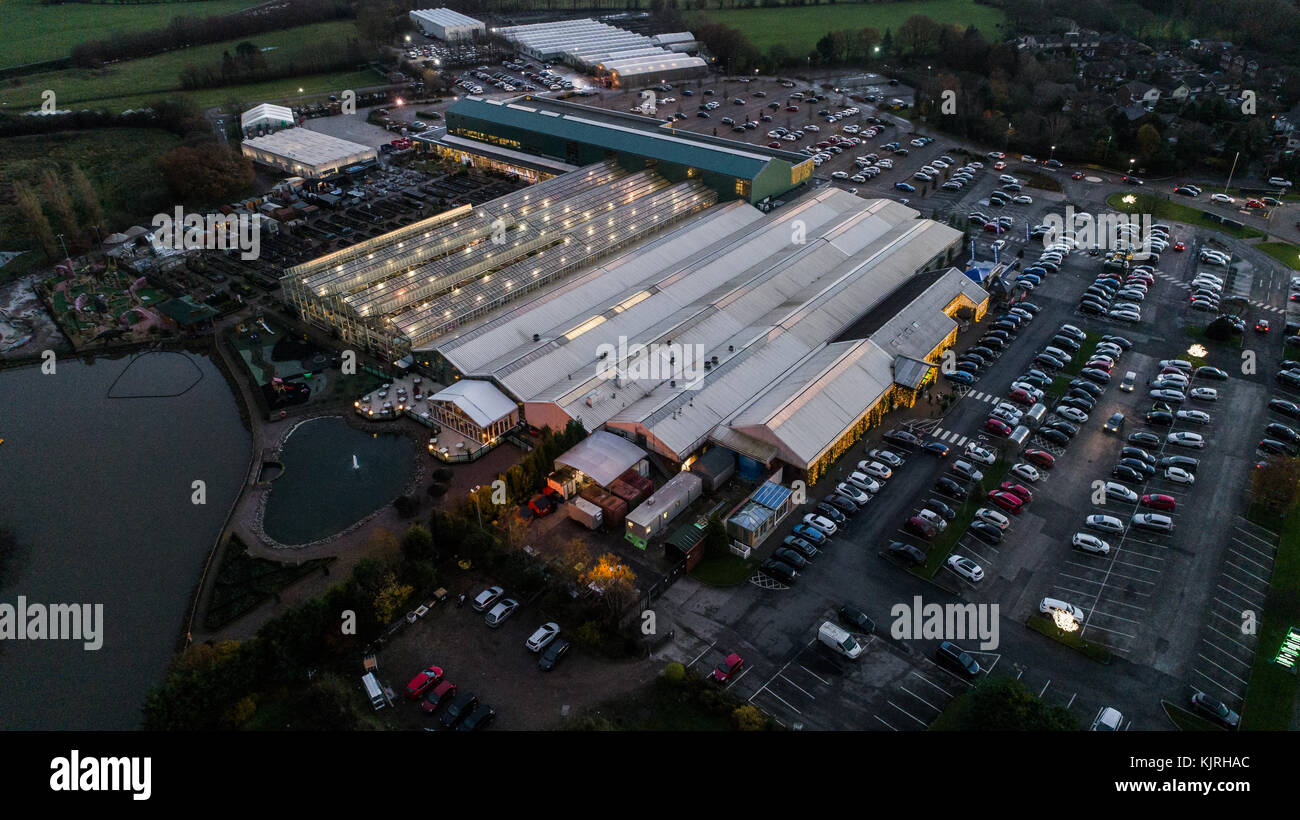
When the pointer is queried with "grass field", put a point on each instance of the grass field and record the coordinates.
(1271, 693)
(33, 32)
(119, 161)
(1284, 252)
(123, 85)
(799, 29)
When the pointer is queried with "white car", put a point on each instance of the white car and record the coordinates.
(1028, 388)
(864, 481)
(1285, 183)
(1107, 720)
(1090, 543)
(1023, 199)
(992, 516)
(1073, 414)
(854, 494)
(934, 518)
(977, 453)
(1193, 440)
(542, 638)
(820, 522)
(1203, 394)
(840, 175)
(1179, 476)
(1193, 416)
(1103, 523)
(1050, 606)
(1224, 198)
(887, 456)
(487, 598)
(1026, 471)
(1119, 492)
(875, 469)
(966, 568)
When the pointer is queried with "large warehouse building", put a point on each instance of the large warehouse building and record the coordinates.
(498, 135)
(626, 59)
(446, 24)
(305, 153)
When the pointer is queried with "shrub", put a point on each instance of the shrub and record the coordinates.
(749, 719)
(675, 672)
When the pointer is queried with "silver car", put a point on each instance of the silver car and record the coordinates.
(498, 614)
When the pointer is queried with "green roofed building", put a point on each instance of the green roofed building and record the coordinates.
(186, 312)
(503, 134)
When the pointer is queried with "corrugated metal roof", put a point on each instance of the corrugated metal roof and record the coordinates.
(663, 144)
(910, 372)
(480, 400)
(603, 456)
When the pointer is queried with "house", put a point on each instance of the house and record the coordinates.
(1137, 92)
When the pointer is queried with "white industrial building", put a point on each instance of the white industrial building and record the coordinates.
(600, 48)
(446, 24)
(266, 115)
(306, 153)
(795, 344)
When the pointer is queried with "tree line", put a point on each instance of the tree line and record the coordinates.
(247, 65)
(184, 31)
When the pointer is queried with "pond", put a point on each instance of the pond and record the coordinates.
(334, 475)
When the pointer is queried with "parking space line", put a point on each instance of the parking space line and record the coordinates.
(1217, 666)
(1251, 560)
(909, 714)
(1268, 555)
(778, 697)
(810, 672)
(706, 651)
(932, 683)
(1263, 581)
(1106, 614)
(797, 686)
(1218, 685)
(1045, 685)
(1230, 638)
(1067, 589)
(882, 720)
(1113, 632)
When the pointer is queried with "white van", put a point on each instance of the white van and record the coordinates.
(376, 694)
(839, 640)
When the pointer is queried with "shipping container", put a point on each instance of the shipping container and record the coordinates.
(586, 513)
(631, 494)
(613, 509)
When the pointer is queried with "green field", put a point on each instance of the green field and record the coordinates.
(1174, 212)
(126, 84)
(1284, 252)
(800, 28)
(33, 32)
(1271, 695)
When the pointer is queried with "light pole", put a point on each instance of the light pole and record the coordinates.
(1233, 171)
(477, 509)
(1052, 155)
(1131, 160)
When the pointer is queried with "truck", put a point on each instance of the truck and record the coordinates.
(839, 640)
(586, 513)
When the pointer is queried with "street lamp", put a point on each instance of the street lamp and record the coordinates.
(478, 510)
(1052, 155)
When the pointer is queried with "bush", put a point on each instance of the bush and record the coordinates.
(406, 506)
(749, 719)
(674, 672)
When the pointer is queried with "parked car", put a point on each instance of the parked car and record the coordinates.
(487, 598)
(427, 677)
(542, 636)
(553, 653)
(728, 669)
(906, 553)
(500, 612)
(1214, 709)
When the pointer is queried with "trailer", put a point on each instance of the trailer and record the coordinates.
(658, 511)
(586, 513)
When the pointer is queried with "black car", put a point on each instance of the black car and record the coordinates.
(1122, 342)
(553, 653)
(1079, 393)
(906, 553)
(1139, 454)
(458, 709)
(1145, 439)
(778, 570)
(936, 448)
(1093, 308)
(982, 352)
(844, 504)
(1088, 387)
(831, 512)
(992, 342)
(998, 334)
(1004, 324)
(1127, 474)
(945, 512)
(1029, 306)
(1077, 403)
(1036, 377)
(1280, 448)
(1182, 462)
(1049, 360)
(973, 368)
(946, 486)
(974, 357)
(478, 719)
(951, 657)
(1054, 436)
(1138, 465)
(1286, 408)
(1094, 374)
(800, 546)
(1281, 432)
(1159, 418)
(1062, 426)
(856, 619)
(985, 532)
(1207, 372)
(903, 438)
(789, 556)
(1065, 343)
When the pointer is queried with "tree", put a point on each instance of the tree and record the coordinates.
(417, 544)
(1001, 705)
(92, 210)
(749, 719)
(1148, 140)
(29, 206)
(390, 598)
(615, 580)
(206, 173)
(716, 542)
(59, 204)
(919, 34)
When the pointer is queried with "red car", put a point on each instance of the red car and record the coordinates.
(1100, 363)
(997, 426)
(728, 668)
(920, 527)
(1042, 458)
(774, 144)
(1179, 246)
(1007, 501)
(999, 166)
(1254, 203)
(1159, 502)
(1018, 489)
(442, 693)
(1020, 396)
(994, 227)
(792, 108)
(429, 676)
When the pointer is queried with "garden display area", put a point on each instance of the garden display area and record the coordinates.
(103, 304)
